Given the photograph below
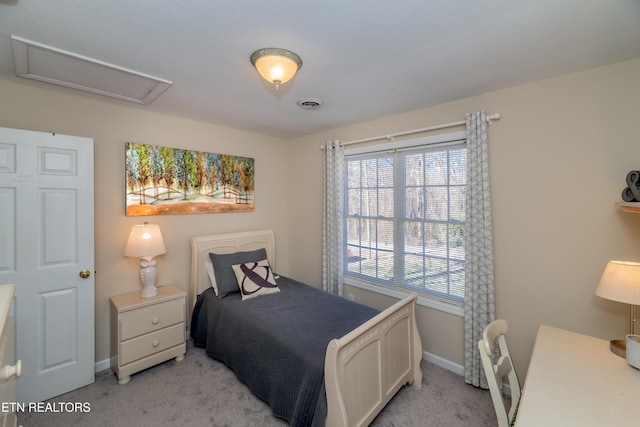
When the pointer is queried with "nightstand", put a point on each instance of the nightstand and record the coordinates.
(147, 331)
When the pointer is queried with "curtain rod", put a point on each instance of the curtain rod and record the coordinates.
(490, 118)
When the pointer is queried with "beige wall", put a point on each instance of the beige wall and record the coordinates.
(111, 124)
(558, 160)
(558, 156)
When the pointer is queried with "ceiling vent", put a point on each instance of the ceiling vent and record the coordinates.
(51, 65)
(310, 103)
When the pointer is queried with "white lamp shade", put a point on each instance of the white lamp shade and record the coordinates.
(620, 282)
(145, 240)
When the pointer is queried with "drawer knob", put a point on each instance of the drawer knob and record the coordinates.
(155, 320)
(8, 371)
(155, 343)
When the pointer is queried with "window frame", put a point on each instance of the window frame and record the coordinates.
(448, 305)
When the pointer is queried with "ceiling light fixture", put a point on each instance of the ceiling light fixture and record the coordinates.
(276, 65)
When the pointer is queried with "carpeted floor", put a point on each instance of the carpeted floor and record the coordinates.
(201, 392)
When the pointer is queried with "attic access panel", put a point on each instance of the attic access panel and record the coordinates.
(36, 61)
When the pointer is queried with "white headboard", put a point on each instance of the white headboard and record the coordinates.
(223, 244)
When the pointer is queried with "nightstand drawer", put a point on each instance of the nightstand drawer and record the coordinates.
(146, 345)
(153, 318)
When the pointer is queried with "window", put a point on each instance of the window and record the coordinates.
(404, 217)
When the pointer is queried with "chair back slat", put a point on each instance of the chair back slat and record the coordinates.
(498, 367)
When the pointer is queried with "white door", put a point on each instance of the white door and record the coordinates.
(46, 241)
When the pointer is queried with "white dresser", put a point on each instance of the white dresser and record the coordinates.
(9, 368)
(147, 331)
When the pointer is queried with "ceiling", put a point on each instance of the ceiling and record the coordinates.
(364, 58)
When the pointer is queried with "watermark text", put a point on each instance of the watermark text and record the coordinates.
(52, 407)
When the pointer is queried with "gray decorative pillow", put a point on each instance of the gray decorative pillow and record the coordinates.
(255, 279)
(222, 267)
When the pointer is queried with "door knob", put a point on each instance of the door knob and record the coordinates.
(85, 273)
(8, 371)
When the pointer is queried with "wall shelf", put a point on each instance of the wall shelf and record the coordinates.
(633, 207)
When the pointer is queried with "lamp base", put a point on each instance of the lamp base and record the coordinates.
(148, 291)
(618, 347)
(148, 275)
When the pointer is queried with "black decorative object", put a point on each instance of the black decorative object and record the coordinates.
(632, 192)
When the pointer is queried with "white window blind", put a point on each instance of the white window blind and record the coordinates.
(404, 216)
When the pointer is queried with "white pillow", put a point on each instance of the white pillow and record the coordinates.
(255, 279)
(212, 276)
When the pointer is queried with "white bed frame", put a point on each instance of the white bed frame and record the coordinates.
(363, 369)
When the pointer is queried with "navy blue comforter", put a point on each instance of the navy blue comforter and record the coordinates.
(276, 343)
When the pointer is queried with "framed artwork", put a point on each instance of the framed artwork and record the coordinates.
(165, 181)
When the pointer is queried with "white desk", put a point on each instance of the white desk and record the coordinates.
(575, 380)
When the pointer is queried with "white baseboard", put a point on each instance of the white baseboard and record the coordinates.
(102, 365)
(454, 367)
(443, 363)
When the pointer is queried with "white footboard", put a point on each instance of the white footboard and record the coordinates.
(365, 368)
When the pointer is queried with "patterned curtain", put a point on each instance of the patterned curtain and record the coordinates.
(332, 218)
(479, 304)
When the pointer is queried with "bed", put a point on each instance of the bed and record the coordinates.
(338, 365)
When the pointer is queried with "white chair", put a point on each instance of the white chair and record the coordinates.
(498, 371)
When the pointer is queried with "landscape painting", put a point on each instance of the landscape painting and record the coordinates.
(164, 181)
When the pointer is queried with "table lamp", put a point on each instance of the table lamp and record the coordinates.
(621, 282)
(145, 241)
